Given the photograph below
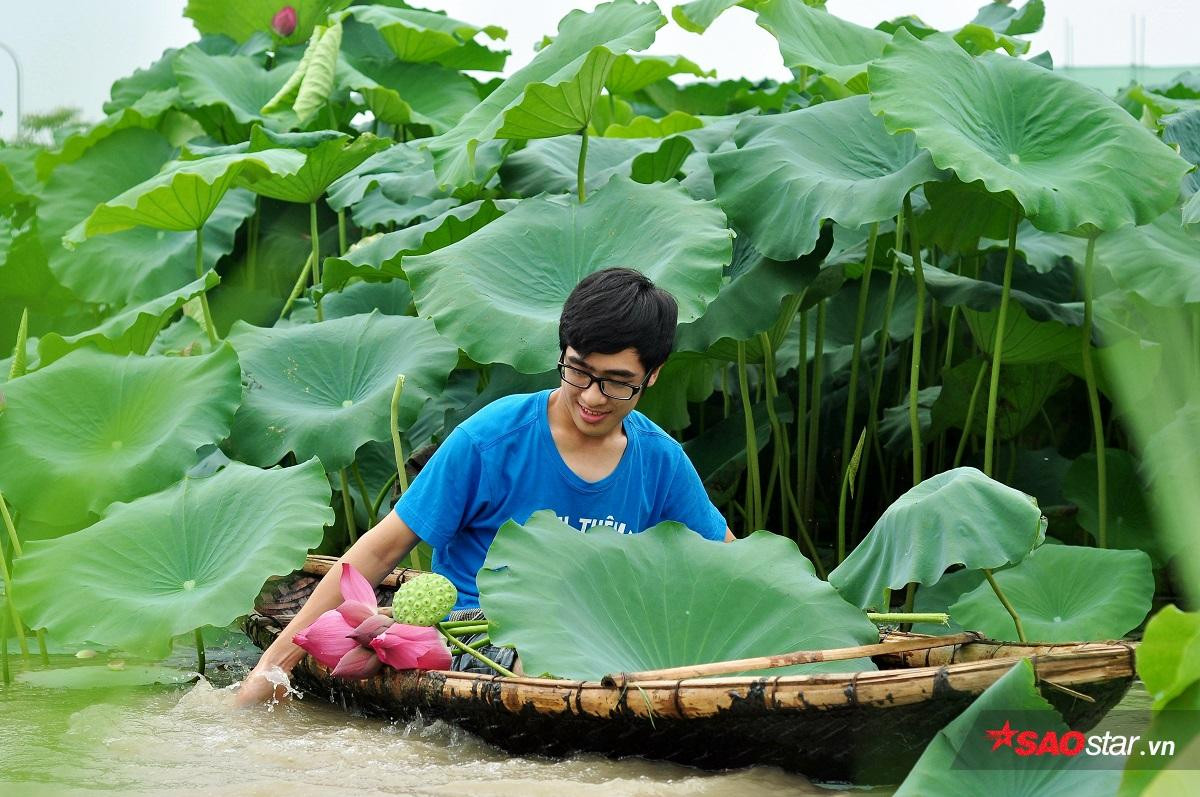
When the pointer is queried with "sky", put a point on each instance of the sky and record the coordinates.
(72, 50)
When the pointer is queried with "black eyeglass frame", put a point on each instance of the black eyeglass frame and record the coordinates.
(592, 378)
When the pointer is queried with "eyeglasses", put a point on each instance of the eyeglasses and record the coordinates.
(622, 391)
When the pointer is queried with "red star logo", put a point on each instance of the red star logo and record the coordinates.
(1002, 736)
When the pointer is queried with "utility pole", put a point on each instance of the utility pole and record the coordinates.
(17, 64)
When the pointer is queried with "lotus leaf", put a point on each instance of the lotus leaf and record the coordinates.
(962, 755)
(1025, 341)
(185, 193)
(645, 127)
(663, 163)
(814, 38)
(1159, 262)
(246, 18)
(94, 428)
(374, 171)
(1130, 524)
(1003, 18)
(895, 430)
(328, 155)
(697, 15)
(104, 677)
(130, 331)
(195, 554)
(1168, 660)
(415, 35)
(830, 161)
(382, 257)
(941, 596)
(721, 98)
(1022, 393)
(983, 296)
(226, 93)
(1064, 593)
(145, 113)
(400, 93)
(555, 92)
(959, 516)
(963, 213)
(26, 283)
(1068, 155)
(325, 389)
(624, 612)
(685, 377)
(550, 164)
(630, 73)
(468, 288)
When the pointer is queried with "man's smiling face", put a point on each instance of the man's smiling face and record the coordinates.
(593, 413)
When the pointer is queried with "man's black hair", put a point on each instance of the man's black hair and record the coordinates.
(617, 309)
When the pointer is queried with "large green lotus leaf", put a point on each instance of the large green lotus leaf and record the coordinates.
(371, 173)
(640, 615)
(1064, 593)
(1168, 660)
(1069, 156)
(242, 20)
(1023, 391)
(26, 283)
(549, 165)
(1031, 341)
(392, 297)
(1003, 18)
(328, 155)
(941, 596)
(101, 676)
(401, 93)
(226, 93)
(325, 389)
(469, 290)
(146, 113)
(1130, 524)
(961, 759)
(895, 429)
(959, 516)
(814, 38)
(952, 289)
(132, 330)
(1182, 130)
(416, 35)
(555, 92)
(93, 428)
(685, 377)
(1159, 261)
(646, 127)
(663, 163)
(630, 73)
(195, 554)
(829, 161)
(381, 257)
(18, 177)
(960, 214)
(697, 15)
(185, 193)
(720, 98)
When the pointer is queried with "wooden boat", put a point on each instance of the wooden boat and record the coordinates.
(865, 727)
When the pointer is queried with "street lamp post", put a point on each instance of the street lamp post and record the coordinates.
(16, 64)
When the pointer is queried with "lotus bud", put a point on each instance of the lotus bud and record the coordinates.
(424, 600)
(370, 628)
(358, 663)
(284, 21)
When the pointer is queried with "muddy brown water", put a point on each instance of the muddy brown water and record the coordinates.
(190, 739)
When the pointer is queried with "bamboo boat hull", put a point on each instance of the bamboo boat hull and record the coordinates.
(864, 727)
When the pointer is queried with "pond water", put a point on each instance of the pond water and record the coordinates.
(190, 739)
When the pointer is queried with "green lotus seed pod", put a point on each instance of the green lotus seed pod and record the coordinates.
(424, 600)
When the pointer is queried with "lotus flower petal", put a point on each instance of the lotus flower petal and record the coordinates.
(356, 612)
(409, 647)
(356, 588)
(370, 628)
(358, 663)
(326, 638)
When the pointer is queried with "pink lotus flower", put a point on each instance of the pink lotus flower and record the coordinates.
(355, 640)
(284, 21)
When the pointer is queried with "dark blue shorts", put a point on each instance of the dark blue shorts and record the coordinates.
(465, 662)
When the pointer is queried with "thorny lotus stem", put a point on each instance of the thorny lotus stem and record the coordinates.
(583, 147)
(252, 242)
(1089, 374)
(7, 576)
(16, 549)
(200, 662)
(314, 233)
(5, 675)
(970, 419)
(372, 515)
(348, 507)
(1007, 606)
(801, 410)
(753, 488)
(848, 485)
(383, 491)
(298, 288)
(397, 448)
(909, 617)
(467, 630)
(989, 437)
(864, 287)
(341, 214)
(20, 357)
(209, 327)
(777, 437)
(814, 418)
(914, 376)
(475, 653)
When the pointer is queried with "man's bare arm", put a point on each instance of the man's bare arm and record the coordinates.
(729, 535)
(374, 555)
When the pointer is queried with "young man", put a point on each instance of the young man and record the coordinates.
(579, 450)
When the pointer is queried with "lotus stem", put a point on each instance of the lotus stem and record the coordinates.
(341, 214)
(910, 595)
(252, 242)
(480, 643)
(1007, 606)
(909, 617)
(314, 233)
(814, 419)
(397, 447)
(468, 630)
(5, 675)
(298, 288)
(454, 625)
(583, 147)
(378, 502)
(914, 371)
(777, 436)
(209, 327)
(864, 287)
(753, 487)
(802, 411)
(372, 516)
(950, 337)
(725, 391)
(970, 419)
(475, 653)
(348, 507)
(6, 573)
(848, 486)
(10, 527)
(1089, 374)
(20, 361)
(989, 437)
(200, 662)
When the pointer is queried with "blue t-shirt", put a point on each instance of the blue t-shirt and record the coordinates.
(502, 464)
